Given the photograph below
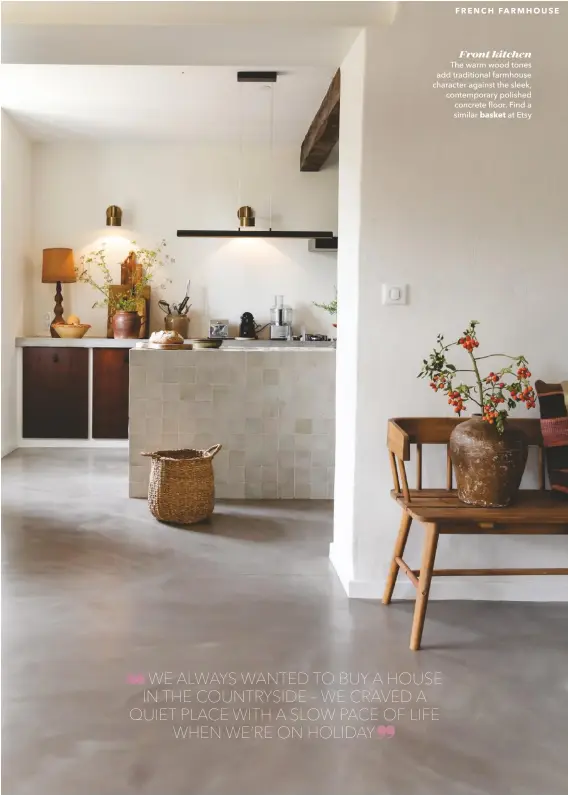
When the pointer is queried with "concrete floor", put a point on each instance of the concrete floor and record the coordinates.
(95, 589)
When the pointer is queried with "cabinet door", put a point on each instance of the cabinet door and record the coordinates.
(110, 393)
(55, 392)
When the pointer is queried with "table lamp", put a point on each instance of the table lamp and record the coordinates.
(58, 266)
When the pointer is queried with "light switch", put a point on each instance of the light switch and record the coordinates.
(394, 294)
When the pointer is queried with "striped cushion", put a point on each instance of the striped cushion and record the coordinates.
(553, 400)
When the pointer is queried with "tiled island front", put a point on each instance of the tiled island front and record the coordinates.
(273, 410)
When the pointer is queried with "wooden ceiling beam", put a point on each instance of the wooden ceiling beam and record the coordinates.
(323, 133)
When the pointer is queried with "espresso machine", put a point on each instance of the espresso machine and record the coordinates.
(280, 320)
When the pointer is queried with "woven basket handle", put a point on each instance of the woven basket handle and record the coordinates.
(212, 451)
(148, 455)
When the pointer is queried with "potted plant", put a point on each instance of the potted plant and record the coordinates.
(331, 307)
(488, 454)
(125, 306)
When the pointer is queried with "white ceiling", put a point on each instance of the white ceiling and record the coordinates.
(162, 12)
(294, 32)
(165, 71)
(160, 103)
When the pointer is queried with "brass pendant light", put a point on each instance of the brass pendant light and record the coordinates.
(246, 216)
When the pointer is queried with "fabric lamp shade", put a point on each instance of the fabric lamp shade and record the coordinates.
(58, 265)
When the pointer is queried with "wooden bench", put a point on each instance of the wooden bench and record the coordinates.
(535, 512)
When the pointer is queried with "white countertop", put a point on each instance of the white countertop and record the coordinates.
(84, 342)
(228, 345)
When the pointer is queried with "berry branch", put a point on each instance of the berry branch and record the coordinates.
(489, 392)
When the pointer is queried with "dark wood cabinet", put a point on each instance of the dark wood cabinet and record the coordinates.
(55, 392)
(110, 393)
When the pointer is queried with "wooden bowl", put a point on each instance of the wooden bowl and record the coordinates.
(68, 331)
(206, 342)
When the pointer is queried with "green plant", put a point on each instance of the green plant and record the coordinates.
(488, 393)
(148, 262)
(331, 307)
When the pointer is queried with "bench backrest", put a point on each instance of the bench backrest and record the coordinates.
(406, 431)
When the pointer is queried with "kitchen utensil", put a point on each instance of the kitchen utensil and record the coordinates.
(186, 297)
(68, 331)
(175, 309)
(165, 307)
(206, 342)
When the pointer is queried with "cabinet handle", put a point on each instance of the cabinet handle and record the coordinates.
(126, 357)
(55, 357)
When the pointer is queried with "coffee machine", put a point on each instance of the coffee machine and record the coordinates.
(280, 320)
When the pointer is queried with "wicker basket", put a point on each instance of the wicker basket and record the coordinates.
(182, 486)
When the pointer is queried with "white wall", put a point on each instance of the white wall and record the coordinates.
(472, 216)
(162, 188)
(16, 263)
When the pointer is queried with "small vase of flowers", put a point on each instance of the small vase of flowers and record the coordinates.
(488, 453)
(126, 305)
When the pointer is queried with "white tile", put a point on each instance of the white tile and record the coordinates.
(203, 392)
(234, 491)
(303, 442)
(187, 392)
(286, 459)
(269, 474)
(253, 425)
(154, 408)
(302, 491)
(270, 427)
(270, 377)
(285, 442)
(254, 378)
(285, 491)
(236, 475)
(253, 409)
(170, 441)
(285, 475)
(302, 458)
(269, 491)
(137, 379)
(204, 408)
(236, 458)
(318, 476)
(255, 359)
(186, 375)
(171, 393)
(253, 491)
(170, 424)
(138, 490)
(253, 474)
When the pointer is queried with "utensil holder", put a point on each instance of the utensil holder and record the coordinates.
(179, 323)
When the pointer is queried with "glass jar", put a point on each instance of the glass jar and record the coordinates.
(179, 323)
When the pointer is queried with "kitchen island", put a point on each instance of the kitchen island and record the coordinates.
(271, 407)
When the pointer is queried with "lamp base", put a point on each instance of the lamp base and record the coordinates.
(57, 310)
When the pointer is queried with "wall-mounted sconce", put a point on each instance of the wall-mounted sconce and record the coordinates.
(114, 216)
(246, 216)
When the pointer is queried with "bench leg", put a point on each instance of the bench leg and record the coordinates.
(428, 556)
(399, 546)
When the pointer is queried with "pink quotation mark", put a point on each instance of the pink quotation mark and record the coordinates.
(135, 679)
(386, 731)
